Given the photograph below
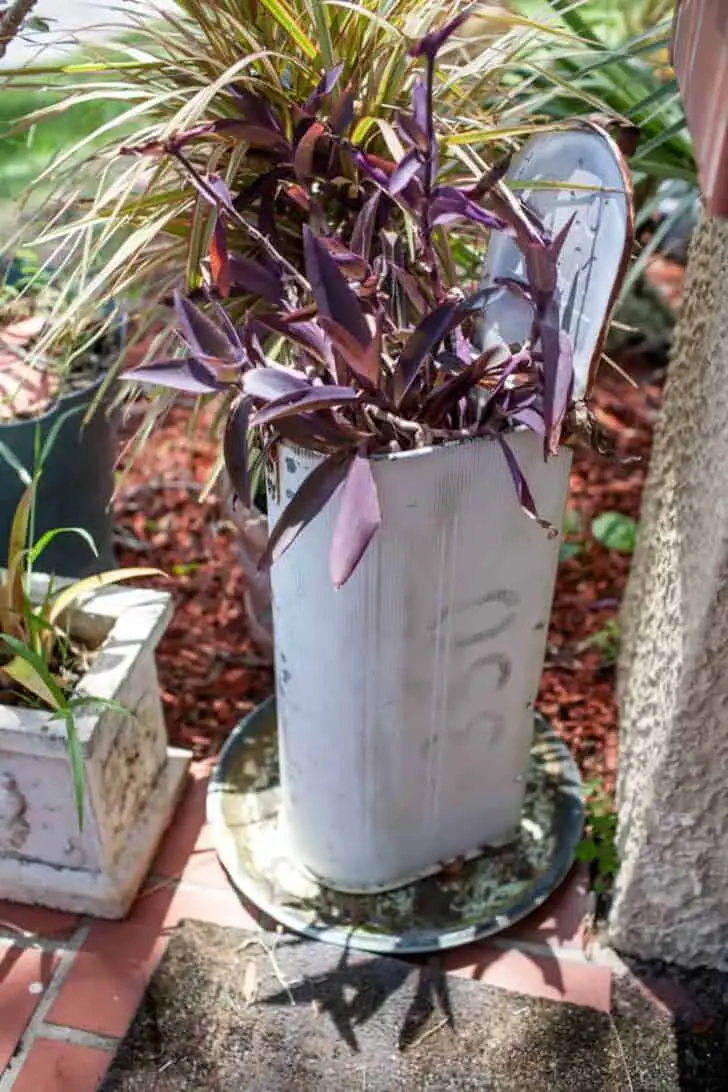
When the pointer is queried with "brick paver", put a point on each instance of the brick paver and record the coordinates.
(67, 1045)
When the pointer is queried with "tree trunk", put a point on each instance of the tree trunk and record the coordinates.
(671, 897)
(11, 21)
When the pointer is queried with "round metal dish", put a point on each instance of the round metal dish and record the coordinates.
(457, 906)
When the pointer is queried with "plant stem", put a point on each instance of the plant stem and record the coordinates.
(322, 29)
(428, 181)
(12, 20)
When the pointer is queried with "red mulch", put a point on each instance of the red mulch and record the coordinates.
(577, 686)
(209, 674)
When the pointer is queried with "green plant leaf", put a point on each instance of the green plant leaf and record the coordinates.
(586, 851)
(14, 463)
(75, 756)
(50, 440)
(35, 676)
(68, 595)
(615, 531)
(568, 550)
(29, 670)
(45, 540)
(572, 522)
(83, 704)
(13, 594)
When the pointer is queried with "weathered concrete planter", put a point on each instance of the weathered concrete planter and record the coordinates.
(405, 699)
(132, 778)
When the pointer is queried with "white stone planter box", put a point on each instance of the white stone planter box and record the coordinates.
(405, 699)
(132, 778)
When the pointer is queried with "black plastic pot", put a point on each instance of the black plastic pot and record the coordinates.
(76, 485)
(77, 482)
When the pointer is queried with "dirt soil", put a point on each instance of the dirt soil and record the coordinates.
(221, 1013)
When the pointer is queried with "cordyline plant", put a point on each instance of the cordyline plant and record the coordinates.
(348, 267)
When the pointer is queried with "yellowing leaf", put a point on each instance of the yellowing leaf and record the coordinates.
(68, 595)
(250, 981)
(11, 605)
(25, 675)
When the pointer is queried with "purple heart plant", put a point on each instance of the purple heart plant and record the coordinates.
(356, 337)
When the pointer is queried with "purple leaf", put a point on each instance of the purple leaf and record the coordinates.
(200, 332)
(315, 398)
(452, 204)
(491, 177)
(413, 134)
(172, 144)
(432, 43)
(270, 383)
(307, 502)
(541, 270)
(235, 448)
(183, 374)
(443, 398)
(525, 497)
(306, 148)
(410, 287)
(325, 86)
(419, 104)
(255, 108)
(219, 189)
(256, 136)
(318, 432)
(423, 340)
(351, 263)
(214, 190)
(255, 278)
(531, 418)
(219, 258)
(306, 334)
(330, 79)
(562, 391)
(509, 368)
(342, 113)
(357, 522)
(230, 331)
(253, 350)
(363, 231)
(558, 373)
(363, 361)
(476, 300)
(330, 289)
(560, 238)
(407, 169)
(518, 288)
(512, 211)
(370, 168)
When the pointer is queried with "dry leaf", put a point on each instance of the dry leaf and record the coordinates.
(250, 981)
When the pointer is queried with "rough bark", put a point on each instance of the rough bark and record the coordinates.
(671, 899)
(11, 21)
